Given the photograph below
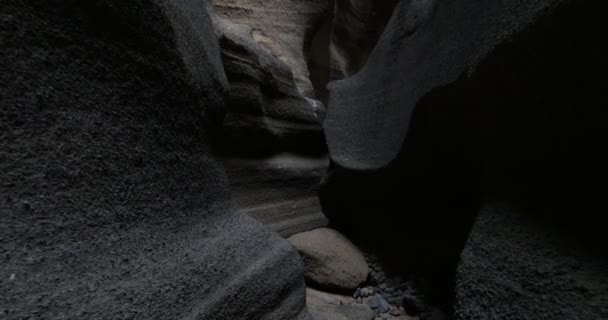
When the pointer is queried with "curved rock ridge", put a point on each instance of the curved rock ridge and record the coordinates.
(282, 28)
(462, 102)
(357, 27)
(525, 270)
(111, 206)
(416, 38)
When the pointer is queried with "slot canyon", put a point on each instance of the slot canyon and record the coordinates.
(303, 159)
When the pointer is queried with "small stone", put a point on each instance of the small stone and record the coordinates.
(394, 312)
(330, 259)
(366, 292)
(378, 304)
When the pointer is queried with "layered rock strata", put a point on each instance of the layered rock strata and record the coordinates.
(281, 28)
(265, 110)
(270, 139)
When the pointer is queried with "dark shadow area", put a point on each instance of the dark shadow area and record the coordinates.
(528, 124)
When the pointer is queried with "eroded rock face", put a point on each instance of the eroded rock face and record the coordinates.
(526, 271)
(461, 100)
(111, 206)
(281, 28)
(270, 139)
(330, 259)
(344, 38)
(265, 110)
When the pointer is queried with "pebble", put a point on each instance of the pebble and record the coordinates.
(394, 312)
(378, 304)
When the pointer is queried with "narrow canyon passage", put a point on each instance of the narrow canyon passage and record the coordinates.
(303, 159)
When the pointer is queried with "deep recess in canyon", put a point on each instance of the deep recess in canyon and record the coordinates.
(303, 159)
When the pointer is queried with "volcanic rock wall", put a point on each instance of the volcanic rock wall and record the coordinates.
(462, 102)
(110, 204)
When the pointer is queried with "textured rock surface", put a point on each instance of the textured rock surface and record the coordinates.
(514, 267)
(111, 207)
(280, 190)
(331, 261)
(283, 28)
(461, 99)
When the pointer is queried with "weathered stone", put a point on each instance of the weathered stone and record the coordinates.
(378, 304)
(395, 312)
(111, 206)
(527, 271)
(461, 100)
(330, 259)
(357, 26)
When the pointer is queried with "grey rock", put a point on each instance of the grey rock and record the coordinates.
(478, 89)
(435, 314)
(374, 146)
(102, 118)
(341, 312)
(279, 190)
(366, 292)
(526, 271)
(270, 140)
(357, 27)
(395, 312)
(315, 297)
(330, 259)
(378, 304)
(283, 28)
